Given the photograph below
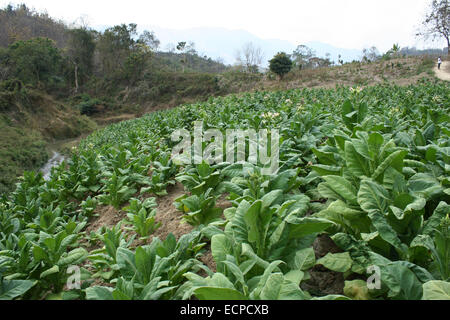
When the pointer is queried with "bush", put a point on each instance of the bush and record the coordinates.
(280, 64)
(87, 105)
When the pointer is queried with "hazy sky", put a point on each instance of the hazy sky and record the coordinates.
(342, 23)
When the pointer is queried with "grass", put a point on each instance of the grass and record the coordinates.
(20, 149)
(29, 121)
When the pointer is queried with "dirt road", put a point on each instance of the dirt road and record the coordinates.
(444, 73)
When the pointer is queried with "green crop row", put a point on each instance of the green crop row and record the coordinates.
(368, 167)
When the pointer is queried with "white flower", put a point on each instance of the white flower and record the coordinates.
(436, 99)
(357, 90)
(270, 115)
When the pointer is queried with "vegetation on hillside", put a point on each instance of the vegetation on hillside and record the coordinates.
(29, 120)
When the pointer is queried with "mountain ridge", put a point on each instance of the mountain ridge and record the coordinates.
(223, 43)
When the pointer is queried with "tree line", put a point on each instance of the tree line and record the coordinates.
(39, 50)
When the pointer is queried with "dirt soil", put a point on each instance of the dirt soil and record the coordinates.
(108, 217)
(444, 73)
(169, 216)
(324, 281)
(208, 260)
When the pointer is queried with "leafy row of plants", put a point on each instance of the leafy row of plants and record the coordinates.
(367, 167)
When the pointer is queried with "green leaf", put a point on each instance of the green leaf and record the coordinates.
(304, 259)
(424, 185)
(401, 281)
(270, 198)
(295, 276)
(144, 263)
(332, 297)
(218, 294)
(325, 158)
(309, 225)
(252, 219)
(272, 288)
(357, 290)
(10, 289)
(126, 262)
(343, 188)
(356, 163)
(281, 181)
(120, 296)
(39, 254)
(395, 159)
(99, 293)
(436, 290)
(433, 222)
(75, 256)
(349, 218)
(373, 197)
(221, 246)
(324, 170)
(52, 270)
(386, 232)
(339, 262)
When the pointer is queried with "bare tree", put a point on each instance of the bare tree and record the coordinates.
(436, 23)
(149, 38)
(82, 22)
(370, 55)
(250, 57)
(302, 57)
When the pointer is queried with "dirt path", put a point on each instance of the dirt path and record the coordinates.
(444, 73)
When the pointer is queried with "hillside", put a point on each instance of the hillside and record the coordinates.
(401, 71)
(29, 121)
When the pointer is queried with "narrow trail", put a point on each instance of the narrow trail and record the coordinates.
(444, 73)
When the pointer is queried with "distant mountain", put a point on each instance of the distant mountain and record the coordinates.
(223, 43)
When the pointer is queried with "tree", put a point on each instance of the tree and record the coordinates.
(181, 46)
(186, 49)
(370, 55)
(436, 23)
(36, 61)
(137, 62)
(280, 64)
(149, 38)
(302, 57)
(80, 50)
(115, 46)
(250, 57)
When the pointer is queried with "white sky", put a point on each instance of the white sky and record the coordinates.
(341, 23)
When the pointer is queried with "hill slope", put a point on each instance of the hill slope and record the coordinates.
(29, 121)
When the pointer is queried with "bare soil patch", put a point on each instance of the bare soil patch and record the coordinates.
(208, 260)
(169, 216)
(108, 217)
(444, 72)
(324, 281)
